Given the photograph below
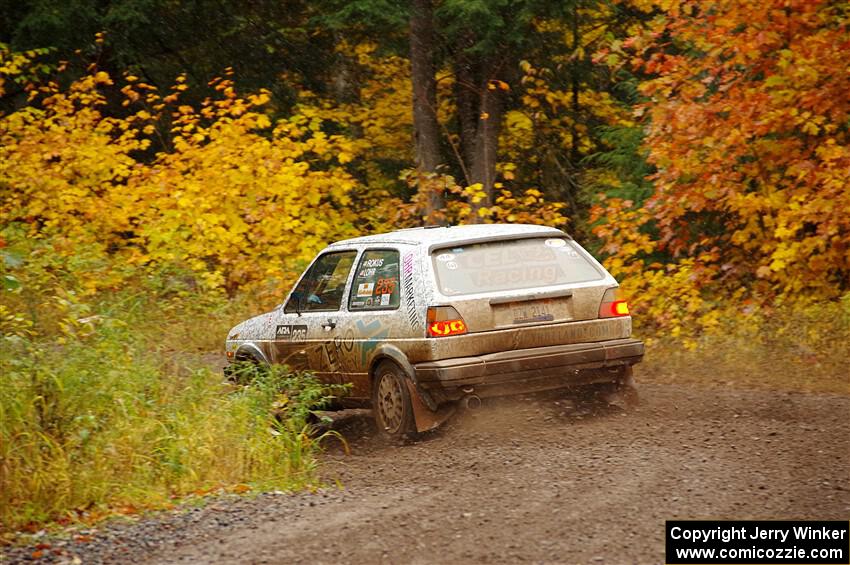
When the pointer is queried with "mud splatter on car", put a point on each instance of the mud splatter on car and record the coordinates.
(420, 320)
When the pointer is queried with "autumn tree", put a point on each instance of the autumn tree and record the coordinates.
(746, 117)
(238, 200)
(511, 103)
(512, 100)
(570, 129)
(749, 132)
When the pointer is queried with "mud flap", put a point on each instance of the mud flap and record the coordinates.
(425, 418)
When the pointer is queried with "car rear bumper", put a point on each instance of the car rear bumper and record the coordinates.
(552, 366)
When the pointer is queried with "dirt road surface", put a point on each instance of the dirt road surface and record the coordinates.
(536, 479)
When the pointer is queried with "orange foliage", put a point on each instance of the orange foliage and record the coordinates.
(748, 130)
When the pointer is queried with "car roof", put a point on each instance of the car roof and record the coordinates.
(437, 235)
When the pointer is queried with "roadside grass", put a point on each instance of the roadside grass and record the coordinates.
(802, 348)
(120, 411)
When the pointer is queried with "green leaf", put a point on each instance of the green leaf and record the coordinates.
(10, 283)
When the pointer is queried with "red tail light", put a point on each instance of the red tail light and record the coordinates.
(449, 327)
(612, 306)
(444, 321)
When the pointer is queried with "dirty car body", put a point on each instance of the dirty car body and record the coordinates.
(449, 313)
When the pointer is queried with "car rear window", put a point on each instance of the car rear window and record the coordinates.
(511, 265)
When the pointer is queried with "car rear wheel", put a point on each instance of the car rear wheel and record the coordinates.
(391, 401)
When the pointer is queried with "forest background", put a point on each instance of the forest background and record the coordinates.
(168, 168)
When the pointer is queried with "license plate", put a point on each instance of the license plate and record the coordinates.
(529, 312)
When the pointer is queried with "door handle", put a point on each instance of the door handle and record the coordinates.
(329, 325)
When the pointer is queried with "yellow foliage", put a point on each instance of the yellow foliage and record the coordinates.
(18, 66)
(547, 118)
(237, 199)
(382, 114)
(527, 207)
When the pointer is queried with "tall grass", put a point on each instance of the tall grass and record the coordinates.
(799, 347)
(121, 410)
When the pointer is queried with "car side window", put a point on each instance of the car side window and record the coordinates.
(321, 289)
(376, 284)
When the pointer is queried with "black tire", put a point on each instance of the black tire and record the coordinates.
(391, 405)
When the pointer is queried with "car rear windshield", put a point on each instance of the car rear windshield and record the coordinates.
(511, 265)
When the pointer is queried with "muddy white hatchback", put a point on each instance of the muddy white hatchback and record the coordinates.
(418, 320)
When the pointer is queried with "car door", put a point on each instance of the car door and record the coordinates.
(373, 306)
(307, 328)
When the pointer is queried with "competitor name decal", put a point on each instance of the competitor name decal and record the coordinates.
(409, 291)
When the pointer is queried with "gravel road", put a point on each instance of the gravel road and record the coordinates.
(537, 479)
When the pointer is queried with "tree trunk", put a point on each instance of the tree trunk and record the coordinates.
(486, 144)
(574, 75)
(342, 84)
(486, 79)
(426, 130)
(480, 103)
(466, 100)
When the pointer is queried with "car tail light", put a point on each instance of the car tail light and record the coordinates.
(444, 321)
(612, 306)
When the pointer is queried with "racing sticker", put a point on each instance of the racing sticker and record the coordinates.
(365, 289)
(386, 286)
(291, 333)
(331, 356)
(410, 291)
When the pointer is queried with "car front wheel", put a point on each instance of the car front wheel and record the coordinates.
(391, 401)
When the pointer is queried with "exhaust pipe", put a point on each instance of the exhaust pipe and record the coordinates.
(471, 401)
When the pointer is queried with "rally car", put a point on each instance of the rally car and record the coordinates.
(421, 320)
